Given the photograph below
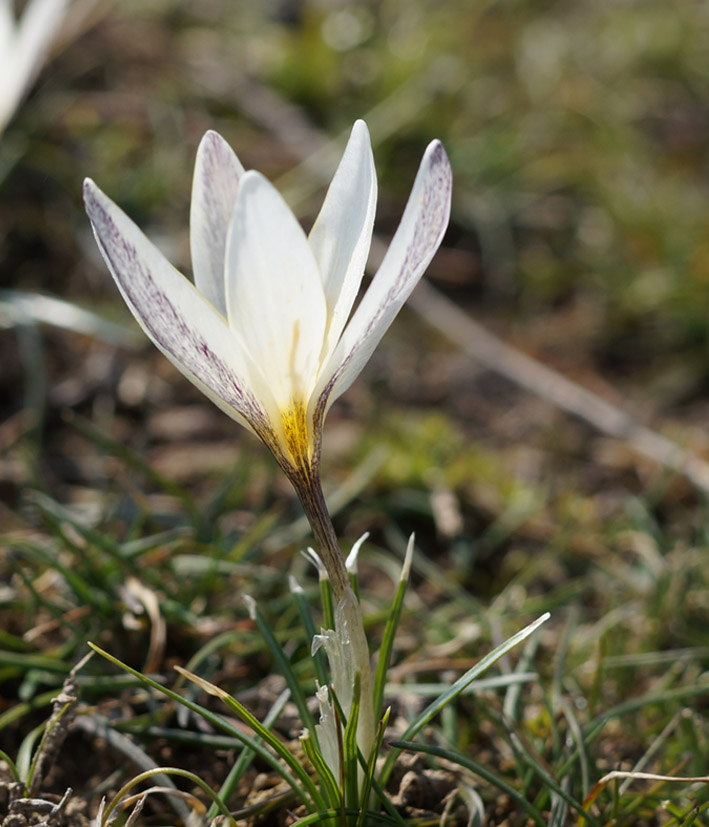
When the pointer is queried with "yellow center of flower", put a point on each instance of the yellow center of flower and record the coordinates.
(295, 431)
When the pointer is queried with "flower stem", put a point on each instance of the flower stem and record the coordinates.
(309, 490)
(347, 609)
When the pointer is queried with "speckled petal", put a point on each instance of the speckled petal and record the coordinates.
(216, 180)
(184, 325)
(416, 240)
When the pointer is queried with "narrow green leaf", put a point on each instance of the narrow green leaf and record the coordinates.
(14, 774)
(15, 713)
(310, 631)
(246, 756)
(41, 662)
(299, 780)
(284, 665)
(324, 772)
(26, 751)
(372, 765)
(390, 630)
(535, 765)
(388, 806)
(326, 602)
(256, 725)
(144, 776)
(435, 707)
(136, 548)
(351, 751)
(45, 735)
(86, 593)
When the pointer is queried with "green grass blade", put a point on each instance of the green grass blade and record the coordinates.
(144, 776)
(372, 765)
(48, 729)
(435, 707)
(14, 774)
(388, 806)
(205, 652)
(326, 602)
(535, 765)
(136, 548)
(577, 735)
(324, 772)
(264, 734)
(298, 779)
(26, 662)
(246, 756)
(390, 630)
(26, 751)
(17, 712)
(58, 515)
(284, 665)
(510, 705)
(86, 594)
(310, 631)
(350, 750)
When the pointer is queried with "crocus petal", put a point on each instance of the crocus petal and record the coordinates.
(342, 233)
(416, 240)
(216, 179)
(25, 49)
(186, 327)
(275, 301)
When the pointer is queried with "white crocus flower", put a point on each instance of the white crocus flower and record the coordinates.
(23, 48)
(264, 330)
(267, 330)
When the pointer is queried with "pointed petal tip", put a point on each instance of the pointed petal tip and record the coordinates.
(94, 199)
(99, 207)
(360, 126)
(436, 154)
(211, 136)
(415, 242)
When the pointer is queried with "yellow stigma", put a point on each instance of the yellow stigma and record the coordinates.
(295, 431)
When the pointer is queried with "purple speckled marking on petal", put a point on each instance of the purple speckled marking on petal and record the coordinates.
(164, 322)
(216, 181)
(428, 232)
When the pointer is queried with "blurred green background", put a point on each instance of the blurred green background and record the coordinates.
(577, 132)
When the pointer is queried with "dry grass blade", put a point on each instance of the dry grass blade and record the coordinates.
(158, 633)
(63, 713)
(536, 377)
(633, 775)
